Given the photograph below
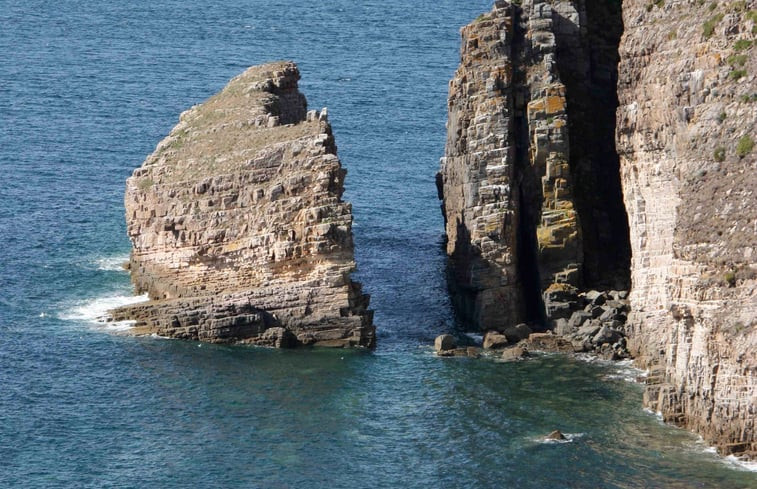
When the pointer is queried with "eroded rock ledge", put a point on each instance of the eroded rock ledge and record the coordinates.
(238, 228)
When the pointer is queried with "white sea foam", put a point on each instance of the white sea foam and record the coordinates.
(95, 311)
(479, 339)
(731, 461)
(624, 369)
(656, 414)
(111, 263)
(740, 464)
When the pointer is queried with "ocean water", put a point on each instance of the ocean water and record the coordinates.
(87, 89)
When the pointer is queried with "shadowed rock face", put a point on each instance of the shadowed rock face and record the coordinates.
(693, 212)
(238, 229)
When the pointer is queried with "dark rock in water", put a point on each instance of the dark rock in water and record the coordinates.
(556, 435)
(517, 333)
(473, 352)
(513, 354)
(495, 340)
(445, 343)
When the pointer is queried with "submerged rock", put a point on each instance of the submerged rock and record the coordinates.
(556, 435)
(238, 227)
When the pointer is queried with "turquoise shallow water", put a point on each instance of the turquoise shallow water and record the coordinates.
(87, 88)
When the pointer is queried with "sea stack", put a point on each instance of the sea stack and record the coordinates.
(595, 145)
(238, 228)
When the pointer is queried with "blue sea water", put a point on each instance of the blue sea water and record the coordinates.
(87, 89)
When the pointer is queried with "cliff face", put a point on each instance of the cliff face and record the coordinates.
(477, 180)
(687, 113)
(521, 169)
(238, 229)
(578, 160)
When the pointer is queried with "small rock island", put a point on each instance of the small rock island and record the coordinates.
(238, 227)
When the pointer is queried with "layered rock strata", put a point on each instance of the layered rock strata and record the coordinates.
(521, 210)
(536, 213)
(687, 117)
(238, 226)
(477, 180)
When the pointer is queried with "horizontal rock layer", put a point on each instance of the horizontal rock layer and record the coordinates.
(691, 197)
(238, 226)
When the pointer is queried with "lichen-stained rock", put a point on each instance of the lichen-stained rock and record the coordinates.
(505, 180)
(238, 228)
(477, 177)
(687, 111)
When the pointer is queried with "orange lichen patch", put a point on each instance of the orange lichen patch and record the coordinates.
(555, 104)
(555, 287)
(559, 123)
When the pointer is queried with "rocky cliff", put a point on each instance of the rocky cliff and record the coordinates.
(524, 220)
(238, 228)
(575, 144)
(685, 125)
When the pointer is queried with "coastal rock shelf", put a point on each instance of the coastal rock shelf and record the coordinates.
(585, 159)
(238, 228)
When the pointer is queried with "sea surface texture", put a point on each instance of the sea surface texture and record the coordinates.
(87, 89)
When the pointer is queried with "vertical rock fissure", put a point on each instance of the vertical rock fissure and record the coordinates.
(587, 60)
(529, 185)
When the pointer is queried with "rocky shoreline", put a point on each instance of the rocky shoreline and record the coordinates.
(599, 146)
(592, 322)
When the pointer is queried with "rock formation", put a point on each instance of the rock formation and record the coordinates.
(687, 95)
(521, 170)
(556, 128)
(238, 228)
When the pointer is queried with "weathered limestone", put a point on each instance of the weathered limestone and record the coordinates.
(531, 189)
(477, 176)
(508, 178)
(691, 201)
(238, 228)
